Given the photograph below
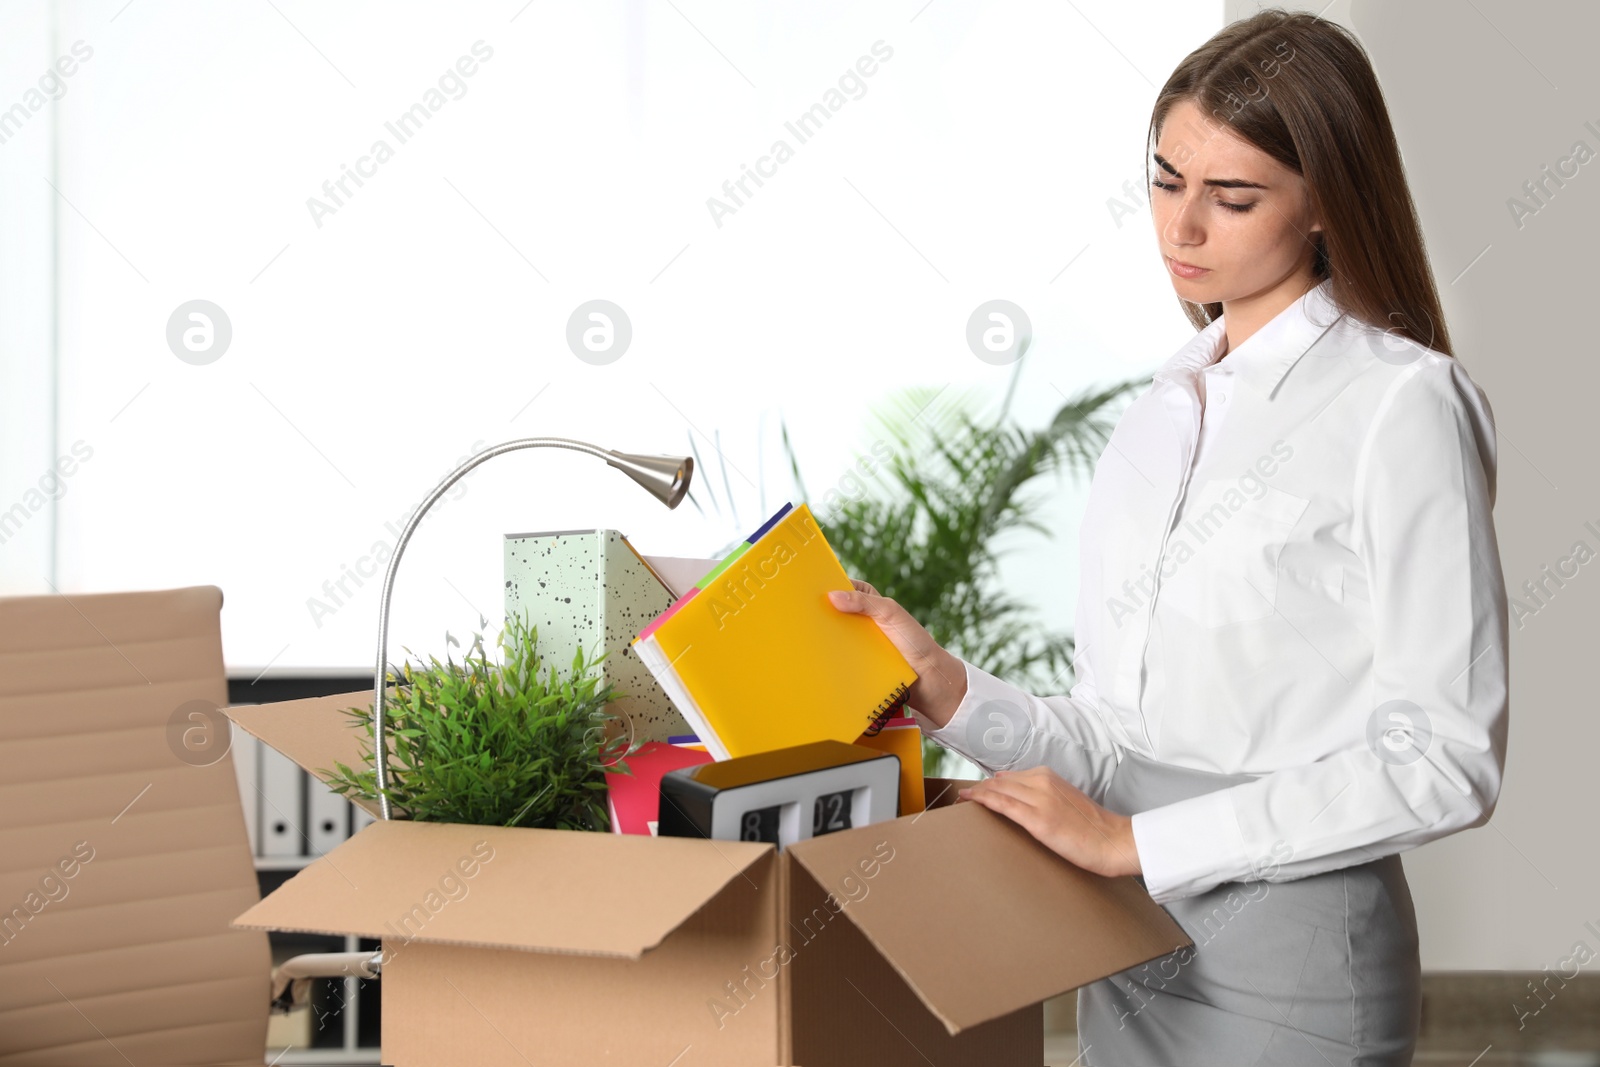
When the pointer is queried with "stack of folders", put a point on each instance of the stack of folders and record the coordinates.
(288, 813)
(756, 656)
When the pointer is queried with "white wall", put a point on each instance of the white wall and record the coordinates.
(29, 489)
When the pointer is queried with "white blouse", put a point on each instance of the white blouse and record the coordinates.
(1328, 612)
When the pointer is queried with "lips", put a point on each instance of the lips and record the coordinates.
(1186, 270)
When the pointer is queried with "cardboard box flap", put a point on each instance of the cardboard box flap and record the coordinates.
(313, 732)
(978, 917)
(504, 887)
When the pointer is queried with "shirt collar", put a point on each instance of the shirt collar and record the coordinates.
(1266, 355)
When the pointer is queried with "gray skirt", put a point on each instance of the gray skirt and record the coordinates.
(1319, 970)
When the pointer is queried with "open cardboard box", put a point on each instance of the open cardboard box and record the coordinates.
(933, 938)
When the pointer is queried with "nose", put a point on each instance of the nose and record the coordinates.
(1181, 228)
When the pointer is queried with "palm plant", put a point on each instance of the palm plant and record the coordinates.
(929, 534)
(932, 540)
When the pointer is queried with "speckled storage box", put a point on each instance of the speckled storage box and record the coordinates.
(590, 587)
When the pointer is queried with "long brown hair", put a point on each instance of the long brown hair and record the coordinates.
(1302, 89)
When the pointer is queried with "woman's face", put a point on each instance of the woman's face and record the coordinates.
(1249, 234)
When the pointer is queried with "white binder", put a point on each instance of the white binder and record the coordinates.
(246, 753)
(282, 805)
(327, 816)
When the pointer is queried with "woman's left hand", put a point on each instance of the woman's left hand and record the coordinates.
(1063, 819)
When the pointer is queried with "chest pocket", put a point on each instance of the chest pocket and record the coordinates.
(1221, 563)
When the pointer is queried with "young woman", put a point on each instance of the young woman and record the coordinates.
(1291, 625)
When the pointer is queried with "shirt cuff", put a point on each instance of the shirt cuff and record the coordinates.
(993, 742)
(1189, 847)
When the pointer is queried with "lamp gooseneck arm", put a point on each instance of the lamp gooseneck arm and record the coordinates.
(380, 748)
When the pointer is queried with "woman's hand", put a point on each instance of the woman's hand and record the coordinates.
(1062, 818)
(941, 678)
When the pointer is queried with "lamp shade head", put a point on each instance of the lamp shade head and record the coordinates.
(667, 477)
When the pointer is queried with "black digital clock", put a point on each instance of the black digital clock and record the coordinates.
(782, 796)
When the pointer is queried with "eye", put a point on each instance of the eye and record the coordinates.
(1240, 208)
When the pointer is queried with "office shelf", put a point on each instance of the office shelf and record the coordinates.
(280, 802)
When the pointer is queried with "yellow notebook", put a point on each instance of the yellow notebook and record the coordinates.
(758, 658)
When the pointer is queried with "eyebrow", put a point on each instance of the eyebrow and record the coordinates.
(1220, 183)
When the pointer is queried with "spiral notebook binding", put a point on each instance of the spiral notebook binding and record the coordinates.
(889, 709)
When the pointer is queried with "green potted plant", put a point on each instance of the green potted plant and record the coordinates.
(495, 743)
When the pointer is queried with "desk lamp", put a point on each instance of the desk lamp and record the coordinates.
(667, 478)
